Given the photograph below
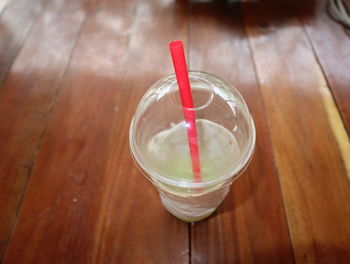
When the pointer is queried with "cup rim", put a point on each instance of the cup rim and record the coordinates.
(239, 168)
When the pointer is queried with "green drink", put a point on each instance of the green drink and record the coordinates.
(168, 151)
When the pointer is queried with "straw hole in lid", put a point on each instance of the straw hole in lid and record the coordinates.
(202, 94)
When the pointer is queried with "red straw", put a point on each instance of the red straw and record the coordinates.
(179, 61)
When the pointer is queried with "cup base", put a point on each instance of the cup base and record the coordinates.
(194, 219)
(193, 208)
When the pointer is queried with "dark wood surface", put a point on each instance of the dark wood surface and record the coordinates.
(307, 134)
(254, 204)
(71, 75)
(28, 94)
(330, 44)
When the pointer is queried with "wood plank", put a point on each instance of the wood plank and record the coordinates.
(145, 232)
(86, 201)
(15, 23)
(332, 47)
(250, 226)
(311, 166)
(26, 100)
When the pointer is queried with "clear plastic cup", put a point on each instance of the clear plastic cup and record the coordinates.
(159, 145)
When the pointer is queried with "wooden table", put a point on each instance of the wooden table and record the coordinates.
(71, 75)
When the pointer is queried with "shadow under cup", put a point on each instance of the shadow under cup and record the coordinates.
(159, 144)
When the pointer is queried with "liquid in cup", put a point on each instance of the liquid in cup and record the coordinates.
(226, 139)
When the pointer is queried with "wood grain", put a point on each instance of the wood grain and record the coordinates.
(26, 99)
(144, 225)
(86, 201)
(312, 173)
(332, 47)
(16, 21)
(250, 226)
(71, 75)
